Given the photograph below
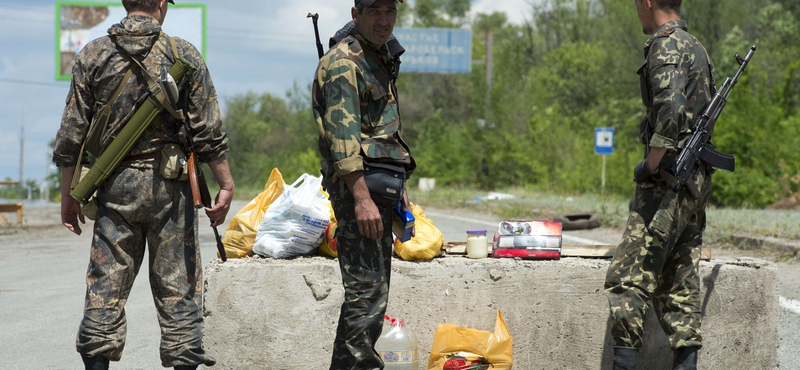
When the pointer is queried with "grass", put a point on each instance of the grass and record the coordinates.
(721, 224)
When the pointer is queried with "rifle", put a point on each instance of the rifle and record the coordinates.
(315, 18)
(200, 195)
(698, 147)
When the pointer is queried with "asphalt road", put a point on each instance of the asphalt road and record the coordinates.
(42, 286)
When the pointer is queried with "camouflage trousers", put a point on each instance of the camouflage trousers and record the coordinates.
(365, 265)
(657, 262)
(139, 211)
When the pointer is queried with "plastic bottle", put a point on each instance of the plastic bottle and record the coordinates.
(476, 244)
(398, 347)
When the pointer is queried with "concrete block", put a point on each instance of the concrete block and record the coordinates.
(282, 314)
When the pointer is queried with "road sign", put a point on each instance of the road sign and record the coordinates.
(604, 140)
(435, 50)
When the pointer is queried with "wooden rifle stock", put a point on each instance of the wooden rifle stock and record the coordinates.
(194, 181)
(202, 198)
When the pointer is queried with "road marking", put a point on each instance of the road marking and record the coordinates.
(569, 238)
(789, 305)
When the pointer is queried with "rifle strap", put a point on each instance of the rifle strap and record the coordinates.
(673, 183)
(154, 88)
(93, 130)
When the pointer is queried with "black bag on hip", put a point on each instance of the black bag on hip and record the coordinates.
(385, 182)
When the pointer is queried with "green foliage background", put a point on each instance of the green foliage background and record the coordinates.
(570, 68)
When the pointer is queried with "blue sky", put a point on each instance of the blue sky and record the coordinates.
(252, 45)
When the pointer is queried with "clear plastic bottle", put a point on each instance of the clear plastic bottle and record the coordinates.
(398, 347)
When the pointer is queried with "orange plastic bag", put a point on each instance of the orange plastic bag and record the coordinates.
(427, 241)
(241, 233)
(460, 348)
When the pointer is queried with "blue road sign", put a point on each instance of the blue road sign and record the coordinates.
(435, 50)
(604, 140)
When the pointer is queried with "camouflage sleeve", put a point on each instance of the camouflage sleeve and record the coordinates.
(341, 82)
(204, 116)
(668, 78)
(75, 119)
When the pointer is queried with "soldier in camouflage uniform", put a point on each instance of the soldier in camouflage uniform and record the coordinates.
(657, 260)
(357, 116)
(137, 206)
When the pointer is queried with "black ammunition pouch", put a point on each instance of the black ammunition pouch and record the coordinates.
(385, 182)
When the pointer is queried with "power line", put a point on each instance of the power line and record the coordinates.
(252, 31)
(26, 19)
(29, 82)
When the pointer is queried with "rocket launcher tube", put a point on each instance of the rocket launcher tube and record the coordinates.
(127, 137)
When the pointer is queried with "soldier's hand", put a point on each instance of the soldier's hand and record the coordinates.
(71, 214)
(368, 217)
(222, 205)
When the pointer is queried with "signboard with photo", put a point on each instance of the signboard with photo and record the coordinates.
(80, 22)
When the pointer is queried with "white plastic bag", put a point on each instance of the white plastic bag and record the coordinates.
(295, 223)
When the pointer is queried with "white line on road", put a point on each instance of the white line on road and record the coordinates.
(789, 305)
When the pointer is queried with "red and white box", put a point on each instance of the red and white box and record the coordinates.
(528, 239)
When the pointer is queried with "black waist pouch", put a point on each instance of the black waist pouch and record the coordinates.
(385, 182)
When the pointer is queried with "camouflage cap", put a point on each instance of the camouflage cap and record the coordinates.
(370, 2)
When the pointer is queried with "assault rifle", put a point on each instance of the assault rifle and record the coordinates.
(315, 18)
(200, 195)
(698, 147)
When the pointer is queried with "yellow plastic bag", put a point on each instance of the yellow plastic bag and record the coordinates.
(427, 241)
(241, 233)
(460, 348)
(328, 245)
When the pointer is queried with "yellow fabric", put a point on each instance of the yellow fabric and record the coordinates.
(328, 245)
(462, 348)
(241, 233)
(427, 241)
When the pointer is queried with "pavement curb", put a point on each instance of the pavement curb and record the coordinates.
(763, 243)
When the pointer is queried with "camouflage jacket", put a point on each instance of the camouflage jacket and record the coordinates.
(99, 70)
(677, 82)
(356, 111)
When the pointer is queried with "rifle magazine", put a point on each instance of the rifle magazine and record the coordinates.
(716, 159)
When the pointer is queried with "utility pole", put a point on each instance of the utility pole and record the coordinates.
(21, 150)
(489, 65)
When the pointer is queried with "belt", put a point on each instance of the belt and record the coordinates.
(155, 156)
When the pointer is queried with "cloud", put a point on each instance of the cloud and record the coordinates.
(518, 11)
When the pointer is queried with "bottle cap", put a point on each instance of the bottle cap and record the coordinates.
(395, 322)
(481, 231)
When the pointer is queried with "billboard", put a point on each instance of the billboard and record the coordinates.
(435, 50)
(79, 22)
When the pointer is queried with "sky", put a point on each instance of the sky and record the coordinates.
(263, 46)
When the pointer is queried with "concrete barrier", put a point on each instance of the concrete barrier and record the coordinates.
(282, 314)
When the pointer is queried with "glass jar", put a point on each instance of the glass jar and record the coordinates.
(477, 246)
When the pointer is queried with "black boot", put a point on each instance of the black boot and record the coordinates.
(685, 359)
(625, 358)
(95, 363)
(186, 367)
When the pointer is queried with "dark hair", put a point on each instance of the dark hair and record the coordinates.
(674, 5)
(147, 6)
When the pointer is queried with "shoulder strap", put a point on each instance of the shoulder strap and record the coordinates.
(94, 130)
(154, 86)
